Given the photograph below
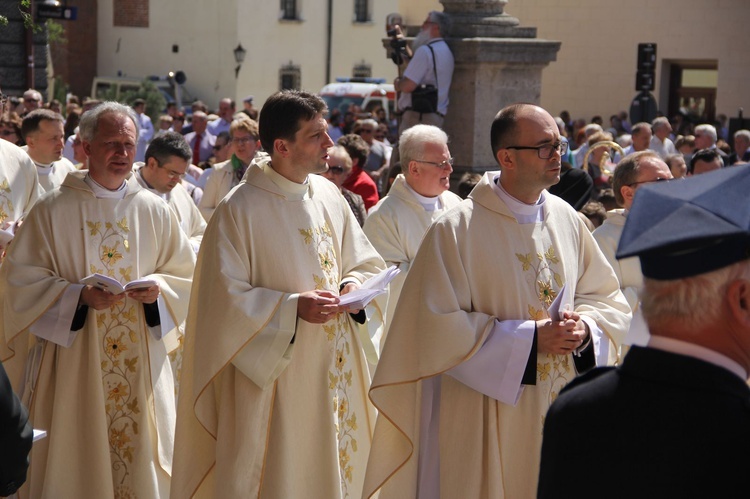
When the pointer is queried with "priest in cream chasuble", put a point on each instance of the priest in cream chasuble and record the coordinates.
(19, 188)
(98, 380)
(472, 360)
(273, 402)
(297, 405)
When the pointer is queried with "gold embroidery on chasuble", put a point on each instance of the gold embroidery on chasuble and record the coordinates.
(122, 371)
(6, 203)
(320, 244)
(555, 371)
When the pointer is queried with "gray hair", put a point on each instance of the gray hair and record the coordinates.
(745, 134)
(369, 122)
(341, 151)
(591, 129)
(412, 142)
(694, 301)
(659, 123)
(90, 119)
(442, 20)
(709, 130)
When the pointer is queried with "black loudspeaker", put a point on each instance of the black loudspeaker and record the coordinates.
(178, 77)
(644, 81)
(643, 108)
(647, 57)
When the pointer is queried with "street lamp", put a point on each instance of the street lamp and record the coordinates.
(239, 57)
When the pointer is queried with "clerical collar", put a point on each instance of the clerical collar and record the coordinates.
(102, 192)
(692, 350)
(293, 190)
(148, 186)
(429, 204)
(524, 213)
(44, 169)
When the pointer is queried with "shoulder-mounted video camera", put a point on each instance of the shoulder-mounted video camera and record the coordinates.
(399, 47)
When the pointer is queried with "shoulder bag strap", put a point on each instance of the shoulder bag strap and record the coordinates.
(434, 67)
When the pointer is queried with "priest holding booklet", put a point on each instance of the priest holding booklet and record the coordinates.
(273, 396)
(97, 377)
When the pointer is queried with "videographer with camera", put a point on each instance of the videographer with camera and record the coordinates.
(426, 82)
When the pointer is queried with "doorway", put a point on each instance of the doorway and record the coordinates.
(692, 90)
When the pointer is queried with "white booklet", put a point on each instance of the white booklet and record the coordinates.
(113, 285)
(372, 287)
(562, 303)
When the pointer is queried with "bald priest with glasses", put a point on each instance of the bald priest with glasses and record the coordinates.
(509, 298)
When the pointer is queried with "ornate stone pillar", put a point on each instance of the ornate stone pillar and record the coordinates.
(498, 63)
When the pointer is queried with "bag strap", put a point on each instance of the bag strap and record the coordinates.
(434, 67)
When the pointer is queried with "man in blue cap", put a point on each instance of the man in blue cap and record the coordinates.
(678, 409)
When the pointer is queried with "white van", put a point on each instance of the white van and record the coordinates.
(367, 93)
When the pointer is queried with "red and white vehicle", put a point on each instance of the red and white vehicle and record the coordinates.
(367, 93)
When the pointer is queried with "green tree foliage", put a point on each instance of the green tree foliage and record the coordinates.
(155, 101)
(55, 30)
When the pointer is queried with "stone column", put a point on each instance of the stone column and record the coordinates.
(497, 63)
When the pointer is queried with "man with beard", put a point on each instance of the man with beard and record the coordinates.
(432, 64)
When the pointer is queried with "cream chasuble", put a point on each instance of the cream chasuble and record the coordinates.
(258, 415)
(52, 176)
(193, 225)
(627, 270)
(476, 266)
(107, 401)
(19, 183)
(190, 218)
(395, 227)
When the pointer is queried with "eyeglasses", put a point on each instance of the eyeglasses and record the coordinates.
(546, 151)
(366, 130)
(219, 147)
(335, 169)
(442, 164)
(649, 181)
(7, 133)
(172, 174)
(31, 100)
(242, 140)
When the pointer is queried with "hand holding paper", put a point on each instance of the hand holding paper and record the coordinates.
(374, 286)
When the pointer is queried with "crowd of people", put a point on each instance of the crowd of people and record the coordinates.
(181, 311)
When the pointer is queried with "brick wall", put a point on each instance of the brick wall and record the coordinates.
(75, 59)
(131, 13)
